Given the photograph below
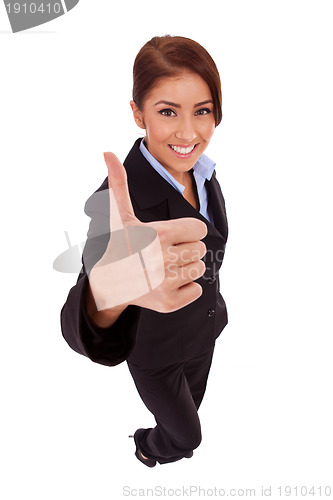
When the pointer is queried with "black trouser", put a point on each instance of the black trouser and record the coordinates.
(173, 395)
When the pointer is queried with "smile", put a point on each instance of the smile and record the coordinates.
(181, 150)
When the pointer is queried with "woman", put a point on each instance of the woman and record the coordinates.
(167, 335)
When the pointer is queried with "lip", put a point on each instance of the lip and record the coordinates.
(184, 145)
(179, 155)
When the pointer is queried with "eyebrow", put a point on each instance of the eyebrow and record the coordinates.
(169, 103)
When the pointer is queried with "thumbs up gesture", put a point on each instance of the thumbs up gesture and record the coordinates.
(152, 265)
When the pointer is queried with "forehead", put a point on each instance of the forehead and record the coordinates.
(185, 87)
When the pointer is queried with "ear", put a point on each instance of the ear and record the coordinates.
(137, 115)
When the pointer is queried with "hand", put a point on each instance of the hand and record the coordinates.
(151, 265)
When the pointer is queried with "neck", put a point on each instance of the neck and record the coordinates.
(182, 177)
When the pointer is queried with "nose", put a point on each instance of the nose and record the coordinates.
(186, 131)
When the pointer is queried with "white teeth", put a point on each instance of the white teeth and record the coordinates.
(182, 151)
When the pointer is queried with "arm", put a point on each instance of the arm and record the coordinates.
(101, 319)
(106, 337)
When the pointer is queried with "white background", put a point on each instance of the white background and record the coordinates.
(65, 91)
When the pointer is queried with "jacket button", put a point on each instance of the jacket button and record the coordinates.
(211, 312)
(211, 280)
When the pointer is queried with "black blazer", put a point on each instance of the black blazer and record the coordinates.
(142, 336)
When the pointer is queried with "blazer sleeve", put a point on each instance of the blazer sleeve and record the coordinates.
(107, 346)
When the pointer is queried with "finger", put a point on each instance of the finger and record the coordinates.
(121, 209)
(184, 253)
(187, 294)
(180, 276)
(183, 230)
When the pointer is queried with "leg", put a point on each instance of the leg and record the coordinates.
(196, 372)
(167, 393)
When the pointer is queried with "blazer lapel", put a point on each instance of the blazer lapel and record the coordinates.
(149, 191)
(217, 205)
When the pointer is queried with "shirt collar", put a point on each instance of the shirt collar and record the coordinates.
(204, 166)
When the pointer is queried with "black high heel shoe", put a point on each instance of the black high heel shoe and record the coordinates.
(149, 462)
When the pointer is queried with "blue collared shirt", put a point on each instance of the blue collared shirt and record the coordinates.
(202, 170)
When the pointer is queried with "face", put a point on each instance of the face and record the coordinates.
(179, 121)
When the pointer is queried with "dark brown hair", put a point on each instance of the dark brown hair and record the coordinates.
(167, 56)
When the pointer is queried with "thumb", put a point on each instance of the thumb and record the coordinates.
(121, 209)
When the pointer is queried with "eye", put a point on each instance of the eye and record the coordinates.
(203, 111)
(167, 112)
